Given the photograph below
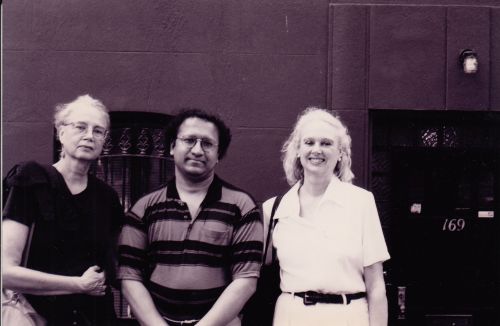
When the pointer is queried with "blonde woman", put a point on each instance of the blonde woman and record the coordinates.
(327, 235)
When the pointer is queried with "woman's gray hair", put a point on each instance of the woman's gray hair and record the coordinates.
(62, 111)
(291, 162)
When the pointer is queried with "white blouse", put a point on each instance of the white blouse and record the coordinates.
(328, 252)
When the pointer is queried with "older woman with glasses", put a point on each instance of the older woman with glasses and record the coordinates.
(327, 234)
(72, 219)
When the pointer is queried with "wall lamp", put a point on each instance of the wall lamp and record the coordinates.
(468, 61)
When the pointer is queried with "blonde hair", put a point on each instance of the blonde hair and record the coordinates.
(62, 111)
(291, 162)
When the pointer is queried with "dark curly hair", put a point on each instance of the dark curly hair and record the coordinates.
(186, 113)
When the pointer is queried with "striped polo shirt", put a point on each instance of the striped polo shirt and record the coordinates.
(186, 264)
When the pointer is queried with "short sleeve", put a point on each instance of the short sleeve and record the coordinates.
(247, 245)
(21, 205)
(374, 246)
(132, 245)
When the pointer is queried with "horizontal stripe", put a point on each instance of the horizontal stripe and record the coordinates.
(193, 254)
(215, 210)
(246, 257)
(248, 246)
(189, 259)
(131, 251)
(193, 245)
(191, 276)
(186, 296)
(224, 217)
(133, 263)
(135, 222)
(161, 205)
(169, 204)
(250, 218)
(224, 206)
(173, 214)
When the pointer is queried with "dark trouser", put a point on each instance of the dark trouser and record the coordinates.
(67, 310)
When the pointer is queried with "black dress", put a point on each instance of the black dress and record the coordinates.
(72, 233)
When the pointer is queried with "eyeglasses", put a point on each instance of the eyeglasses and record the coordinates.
(81, 128)
(190, 142)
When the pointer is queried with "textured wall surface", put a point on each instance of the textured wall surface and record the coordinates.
(402, 55)
(257, 63)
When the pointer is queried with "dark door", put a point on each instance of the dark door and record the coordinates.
(439, 190)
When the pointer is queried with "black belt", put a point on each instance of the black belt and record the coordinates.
(311, 297)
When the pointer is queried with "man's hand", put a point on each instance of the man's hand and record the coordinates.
(226, 309)
(92, 282)
(141, 303)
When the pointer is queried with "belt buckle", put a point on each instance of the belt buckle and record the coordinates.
(308, 301)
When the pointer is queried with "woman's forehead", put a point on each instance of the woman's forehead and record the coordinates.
(319, 128)
(86, 113)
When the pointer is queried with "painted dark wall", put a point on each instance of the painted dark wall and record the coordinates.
(256, 63)
(394, 55)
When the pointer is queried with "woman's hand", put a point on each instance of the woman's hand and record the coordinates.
(29, 281)
(92, 282)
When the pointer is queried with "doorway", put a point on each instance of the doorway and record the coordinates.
(436, 179)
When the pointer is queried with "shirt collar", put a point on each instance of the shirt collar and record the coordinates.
(335, 192)
(214, 192)
(289, 205)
